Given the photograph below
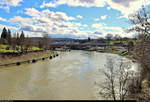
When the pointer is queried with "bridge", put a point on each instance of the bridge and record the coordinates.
(80, 45)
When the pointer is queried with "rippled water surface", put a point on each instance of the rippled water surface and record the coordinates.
(72, 75)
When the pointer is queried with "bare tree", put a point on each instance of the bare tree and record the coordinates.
(141, 25)
(27, 43)
(109, 38)
(101, 40)
(130, 46)
(117, 78)
(39, 44)
(14, 42)
(46, 41)
(117, 37)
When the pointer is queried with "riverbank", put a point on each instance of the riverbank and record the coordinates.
(142, 88)
(129, 55)
(5, 59)
(122, 53)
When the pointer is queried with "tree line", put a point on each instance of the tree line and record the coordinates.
(18, 42)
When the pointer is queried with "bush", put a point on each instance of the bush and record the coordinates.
(7, 48)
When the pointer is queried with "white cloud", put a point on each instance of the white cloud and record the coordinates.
(3, 19)
(21, 21)
(108, 8)
(79, 16)
(46, 21)
(99, 25)
(84, 3)
(103, 26)
(7, 3)
(32, 12)
(104, 17)
(126, 7)
(104, 30)
(47, 13)
(8, 27)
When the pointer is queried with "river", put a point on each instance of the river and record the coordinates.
(72, 75)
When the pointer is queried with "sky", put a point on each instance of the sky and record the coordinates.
(69, 18)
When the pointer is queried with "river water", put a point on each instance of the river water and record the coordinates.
(72, 75)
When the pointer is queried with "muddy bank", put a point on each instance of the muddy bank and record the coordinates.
(5, 59)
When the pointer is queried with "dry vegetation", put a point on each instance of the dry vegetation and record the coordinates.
(118, 82)
(141, 22)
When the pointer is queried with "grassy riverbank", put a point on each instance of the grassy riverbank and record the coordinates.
(9, 55)
(122, 53)
(5, 59)
(129, 55)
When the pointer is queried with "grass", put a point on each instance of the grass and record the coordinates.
(124, 41)
(8, 49)
(3, 46)
(113, 51)
(35, 48)
(3, 49)
(23, 57)
(122, 53)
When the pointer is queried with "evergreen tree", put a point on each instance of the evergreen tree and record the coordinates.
(17, 42)
(89, 39)
(3, 36)
(4, 33)
(22, 39)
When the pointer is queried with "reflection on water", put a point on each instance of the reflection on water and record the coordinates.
(69, 76)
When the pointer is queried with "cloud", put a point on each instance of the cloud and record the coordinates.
(9, 27)
(108, 8)
(83, 3)
(61, 16)
(126, 7)
(99, 25)
(21, 21)
(104, 30)
(104, 17)
(32, 12)
(5, 4)
(79, 16)
(104, 27)
(49, 22)
(3, 19)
